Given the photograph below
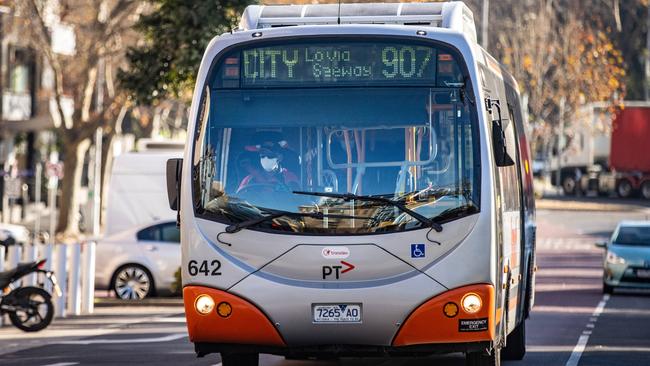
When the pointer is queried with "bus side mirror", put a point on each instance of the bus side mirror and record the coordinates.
(174, 168)
(601, 244)
(499, 145)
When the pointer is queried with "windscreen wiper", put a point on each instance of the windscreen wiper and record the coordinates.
(456, 212)
(231, 229)
(398, 204)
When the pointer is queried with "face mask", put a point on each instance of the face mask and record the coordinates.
(269, 164)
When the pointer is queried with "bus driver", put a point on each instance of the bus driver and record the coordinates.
(271, 174)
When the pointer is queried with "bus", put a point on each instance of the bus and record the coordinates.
(356, 182)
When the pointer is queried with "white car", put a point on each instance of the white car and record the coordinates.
(139, 262)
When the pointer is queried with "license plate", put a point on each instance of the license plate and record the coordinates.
(337, 313)
(643, 273)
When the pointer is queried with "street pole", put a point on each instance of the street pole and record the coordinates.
(484, 23)
(99, 134)
(560, 143)
(37, 199)
(97, 180)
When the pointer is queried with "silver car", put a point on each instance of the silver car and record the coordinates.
(627, 257)
(139, 262)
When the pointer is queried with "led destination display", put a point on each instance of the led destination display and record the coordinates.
(337, 63)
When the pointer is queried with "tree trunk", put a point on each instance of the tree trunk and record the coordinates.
(74, 153)
(107, 165)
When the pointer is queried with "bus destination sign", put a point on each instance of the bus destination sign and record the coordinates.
(335, 63)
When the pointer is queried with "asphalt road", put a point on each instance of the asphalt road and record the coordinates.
(572, 323)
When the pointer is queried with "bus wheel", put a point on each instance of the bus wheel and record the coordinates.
(516, 343)
(483, 358)
(240, 359)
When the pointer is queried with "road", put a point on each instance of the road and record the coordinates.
(572, 324)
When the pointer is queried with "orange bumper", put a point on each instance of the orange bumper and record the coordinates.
(429, 323)
(246, 324)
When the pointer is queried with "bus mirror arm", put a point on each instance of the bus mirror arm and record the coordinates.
(501, 156)
(174, 167)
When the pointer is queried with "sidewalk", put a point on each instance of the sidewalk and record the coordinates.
(556, 202)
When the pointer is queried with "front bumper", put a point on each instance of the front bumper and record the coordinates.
(617, 275)
(342, 350)
(426, 330)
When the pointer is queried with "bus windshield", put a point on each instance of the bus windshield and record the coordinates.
(371, 119)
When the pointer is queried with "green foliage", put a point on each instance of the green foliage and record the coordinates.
(176, 34)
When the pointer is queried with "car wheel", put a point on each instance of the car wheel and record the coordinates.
(607, 289)
(624, 188)
(516, 343)
(483, 358)
(132, 282)
(645, 190)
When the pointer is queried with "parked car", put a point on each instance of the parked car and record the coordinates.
(12, 234)
(139, 262)
(627, 257)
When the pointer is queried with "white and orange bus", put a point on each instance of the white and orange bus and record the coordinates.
(356, 182)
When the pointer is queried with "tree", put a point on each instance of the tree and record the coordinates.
(176, 34)
(561, 59)
(102, 30)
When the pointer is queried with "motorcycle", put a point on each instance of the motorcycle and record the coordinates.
(30, 308)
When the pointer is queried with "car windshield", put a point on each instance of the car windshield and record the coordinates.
(633, 235)
(259, 142)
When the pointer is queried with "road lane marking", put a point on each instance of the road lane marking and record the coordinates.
(171, 337)
(584, 338)
(601, 305)
(62, 364)
(577, 351)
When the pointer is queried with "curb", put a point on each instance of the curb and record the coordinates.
(551, 204)
(111, 302)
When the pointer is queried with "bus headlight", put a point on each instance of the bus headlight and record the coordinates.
(471, 303)
(614, 259)
(204, 304)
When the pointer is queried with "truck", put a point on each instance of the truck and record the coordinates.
(629, 159)
(605, 153)
(137, 195)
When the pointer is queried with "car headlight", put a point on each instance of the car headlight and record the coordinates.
(614, 259)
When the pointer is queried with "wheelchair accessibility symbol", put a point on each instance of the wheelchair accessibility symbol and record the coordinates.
(418, 251)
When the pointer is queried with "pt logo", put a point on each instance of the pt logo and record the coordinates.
(337, 271)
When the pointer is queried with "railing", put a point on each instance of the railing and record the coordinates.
(73, 265)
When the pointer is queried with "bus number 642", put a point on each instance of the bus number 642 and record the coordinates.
(211, 269)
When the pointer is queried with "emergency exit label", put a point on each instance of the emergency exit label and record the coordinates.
(472, 325)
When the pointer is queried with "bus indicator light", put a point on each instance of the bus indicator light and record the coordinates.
(471, 303)
(224, 309)
(204, 304)
(450, 310)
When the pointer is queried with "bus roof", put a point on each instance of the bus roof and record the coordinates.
(451, 15)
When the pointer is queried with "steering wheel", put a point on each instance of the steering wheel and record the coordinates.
(256, 188)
